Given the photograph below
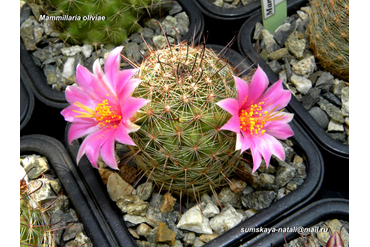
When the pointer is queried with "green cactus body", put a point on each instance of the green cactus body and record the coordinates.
(180, 145)
(120, 19)
(328, 31)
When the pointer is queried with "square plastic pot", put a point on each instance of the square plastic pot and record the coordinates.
(335, 154)
(308, 216)
(89, 214)
(277, 211)
(57, 99)
(27, 99)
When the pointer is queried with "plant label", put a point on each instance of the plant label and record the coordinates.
(273, 13)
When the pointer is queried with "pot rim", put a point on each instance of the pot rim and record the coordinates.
(27, 99)
(220, 13)
(308, 216)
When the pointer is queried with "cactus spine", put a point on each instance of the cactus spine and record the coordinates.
(34, 228)
(121, 18)
(328, 31)
(180, 145)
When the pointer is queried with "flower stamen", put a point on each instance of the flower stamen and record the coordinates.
(102, 114)
(90, 113)
(253, 119)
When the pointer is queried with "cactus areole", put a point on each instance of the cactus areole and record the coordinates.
(180, 145)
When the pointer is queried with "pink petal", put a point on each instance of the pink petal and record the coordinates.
(274, 96)
(257, 159)
(131, 127)
(275, 146)
(111, 66)
(264, 148)
(91, 146)
(93, 86)
(80, 129)
(286, 117)
(232, 125)
(107, 150)
(243, 90)
(123, 77)
(279, 129)
(230, 105)
(238, 144)
(98, 72)
(92, 152)
(242, 142)
(257, 86)
(74, 94)
(129, 88)
(83, 77)
(130, 105)
(69, 114)
(122, 135)
(102, 87)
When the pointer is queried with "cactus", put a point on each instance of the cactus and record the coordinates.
(328, 31)
(34, 228)
(99, 21)
(180, 145)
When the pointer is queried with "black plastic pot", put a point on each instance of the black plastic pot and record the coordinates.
(306, 217)
(226, 14)
(335, 154)
(196, 20)
(234, 58)
(41, 89)
(95, 224)
(57, 99)
(27, 99)
(278, 210)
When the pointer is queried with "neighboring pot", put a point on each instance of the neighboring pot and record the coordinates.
(27, 99)
(226, 14)
(41, 89)
(98, 230)
(306, 217)
(275, 212)
(57, 99)
(335, 154)
(227, 21)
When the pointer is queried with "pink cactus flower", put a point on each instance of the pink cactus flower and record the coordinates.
(258, 117)
(101, 108)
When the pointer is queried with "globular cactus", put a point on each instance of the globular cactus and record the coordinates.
(328, 31)
(34, 228)
(118, 19)
(180, 145)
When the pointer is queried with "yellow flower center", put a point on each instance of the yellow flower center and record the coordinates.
(103, 114)
(253, 119)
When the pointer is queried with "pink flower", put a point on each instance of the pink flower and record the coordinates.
(101, 108)
(257, 117)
